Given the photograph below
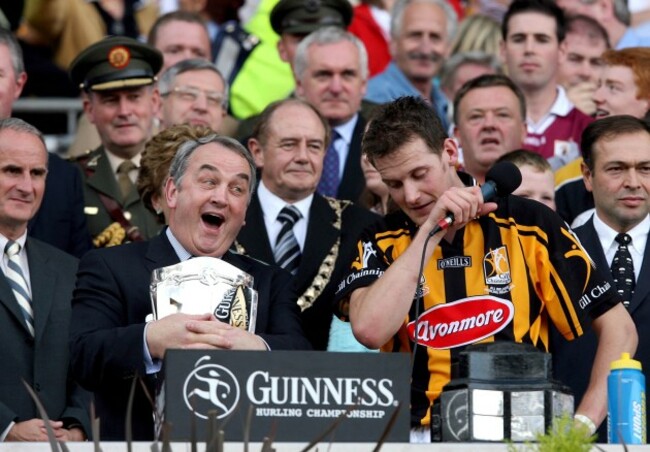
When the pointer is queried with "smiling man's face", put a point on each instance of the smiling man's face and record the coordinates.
(208, 207)
(291, 155)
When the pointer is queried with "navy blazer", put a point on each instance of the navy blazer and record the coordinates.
(572, 361)
(60, 221)
(321, 236)
(110, 304)
(41, 361)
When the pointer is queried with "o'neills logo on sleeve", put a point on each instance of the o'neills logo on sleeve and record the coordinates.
(461, 322)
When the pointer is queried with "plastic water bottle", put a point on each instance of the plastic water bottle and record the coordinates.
(626, 420)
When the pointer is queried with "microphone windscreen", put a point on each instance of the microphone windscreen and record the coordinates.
(506, 176)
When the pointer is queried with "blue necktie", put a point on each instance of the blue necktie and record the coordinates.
(287, 250)
(18, 283)
(329, 181)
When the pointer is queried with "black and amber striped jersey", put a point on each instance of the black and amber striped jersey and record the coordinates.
(503, 277)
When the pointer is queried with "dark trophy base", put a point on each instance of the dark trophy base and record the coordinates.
(499, 391)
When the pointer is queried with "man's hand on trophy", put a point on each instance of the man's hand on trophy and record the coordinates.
(224, 336)
(172, 332)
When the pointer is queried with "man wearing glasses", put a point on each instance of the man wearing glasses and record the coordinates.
(193, 92)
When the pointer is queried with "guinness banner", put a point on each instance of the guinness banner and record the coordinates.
(294, 395)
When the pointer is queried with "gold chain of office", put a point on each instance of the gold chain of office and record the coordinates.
(324, 274)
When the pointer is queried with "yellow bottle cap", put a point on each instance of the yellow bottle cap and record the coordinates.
(626, 363)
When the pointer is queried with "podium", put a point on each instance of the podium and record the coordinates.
(294, 395)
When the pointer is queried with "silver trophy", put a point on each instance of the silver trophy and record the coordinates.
(205, 284)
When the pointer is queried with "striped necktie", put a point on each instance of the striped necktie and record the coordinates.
(18, 283)
(287, 250)
(623, 269)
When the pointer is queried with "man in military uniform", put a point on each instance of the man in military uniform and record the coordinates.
(117, 79)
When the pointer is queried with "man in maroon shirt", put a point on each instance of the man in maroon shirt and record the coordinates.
(533, 43)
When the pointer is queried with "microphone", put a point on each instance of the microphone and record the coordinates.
(502, 179)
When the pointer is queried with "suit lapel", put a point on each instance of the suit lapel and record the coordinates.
(321, 235)
(103, 180)
(160, 252)
(590, 240)
(43, 282)
(237, 261)
(254, 237)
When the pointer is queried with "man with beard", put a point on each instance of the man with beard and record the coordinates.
(421, 35)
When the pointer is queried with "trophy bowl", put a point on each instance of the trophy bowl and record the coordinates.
(205, 284)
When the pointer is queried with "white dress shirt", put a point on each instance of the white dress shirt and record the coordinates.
(639, 234)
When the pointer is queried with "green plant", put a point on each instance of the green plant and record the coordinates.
(565, 435)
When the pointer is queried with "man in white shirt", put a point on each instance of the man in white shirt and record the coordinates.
(289, 144)
(533, 44)
(331, 71)
(35, 291)
(616, 169)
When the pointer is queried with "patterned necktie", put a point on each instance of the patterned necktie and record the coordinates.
(18, 283)
(329, 180)
(623, 269)
(123, 179)
(287, 250)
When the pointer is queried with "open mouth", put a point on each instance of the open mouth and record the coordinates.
(489, 141)
(601, 113)
(213, 219)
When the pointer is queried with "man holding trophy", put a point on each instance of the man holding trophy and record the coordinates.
(210, 185)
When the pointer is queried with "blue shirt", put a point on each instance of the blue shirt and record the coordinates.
(392, 83)
(635, 37)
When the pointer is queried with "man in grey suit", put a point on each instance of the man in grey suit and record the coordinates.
(616, 169)
(35, 295)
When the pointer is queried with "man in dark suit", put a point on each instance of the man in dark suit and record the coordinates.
(117, 78)
(35, 293)
(616, 169)
(60, 221)
(211, 182)
(331, 70)
(289, 145)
